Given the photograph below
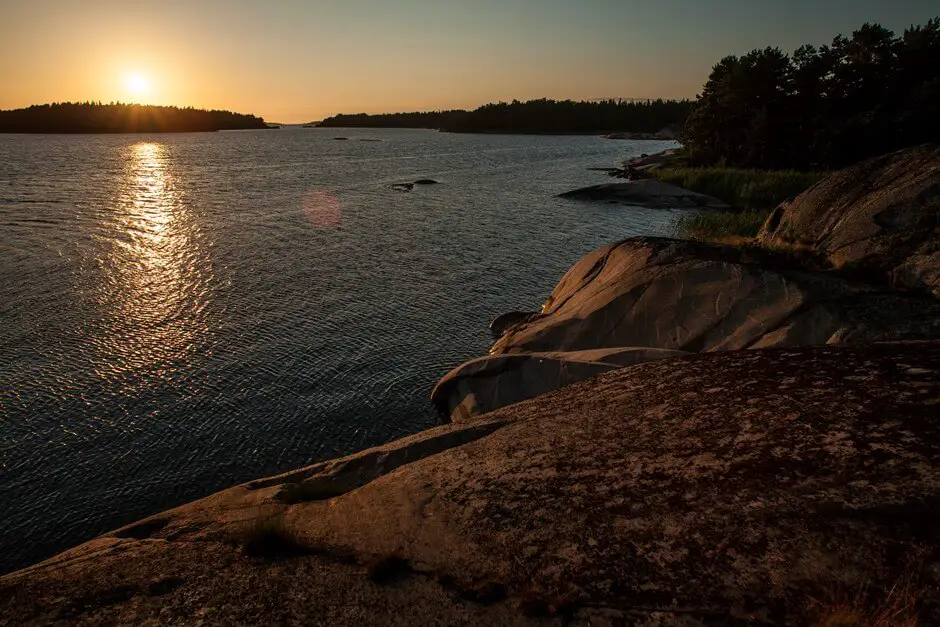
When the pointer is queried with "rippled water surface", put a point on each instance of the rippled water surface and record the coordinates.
(180, 313)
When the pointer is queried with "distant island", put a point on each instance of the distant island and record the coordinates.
(543, 116)
(95, 117)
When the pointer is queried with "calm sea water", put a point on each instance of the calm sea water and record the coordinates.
(181, 313)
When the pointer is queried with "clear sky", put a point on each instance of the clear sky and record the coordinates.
(301, 60)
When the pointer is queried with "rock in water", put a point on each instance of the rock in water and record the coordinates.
(648, 192)
(880, 218)
(426, 182)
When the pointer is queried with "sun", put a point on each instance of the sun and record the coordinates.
(138, 85)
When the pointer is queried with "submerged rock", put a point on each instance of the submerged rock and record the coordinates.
(647, 192)
(737, 487)
(403, 187)
(879, 218)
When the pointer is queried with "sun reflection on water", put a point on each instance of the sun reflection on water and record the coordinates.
(157, 274)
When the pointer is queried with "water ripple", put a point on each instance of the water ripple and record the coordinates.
(185, 312)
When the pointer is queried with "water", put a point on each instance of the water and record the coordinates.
(181, 313)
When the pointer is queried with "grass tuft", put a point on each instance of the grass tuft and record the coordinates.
(752, 190)
(722, 227)
(896, 608)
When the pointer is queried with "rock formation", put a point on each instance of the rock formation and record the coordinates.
(649, 192)
(880, 217)
(645, 297)
(736, 487)
(877, 224)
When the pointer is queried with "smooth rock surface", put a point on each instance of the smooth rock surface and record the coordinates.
(689, 296)
(488, 383)
(649, 192)
(879, 218)
(737, 487)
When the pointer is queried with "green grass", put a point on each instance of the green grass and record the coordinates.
(743, 189)
(728, 227)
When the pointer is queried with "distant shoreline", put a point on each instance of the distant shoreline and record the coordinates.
(89, 118)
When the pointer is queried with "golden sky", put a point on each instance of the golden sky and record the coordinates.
(301, 60)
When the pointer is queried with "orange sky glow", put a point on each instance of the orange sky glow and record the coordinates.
(301, 60)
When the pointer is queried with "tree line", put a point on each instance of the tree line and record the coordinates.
(821, 107)
(95, 117)
(536, 116)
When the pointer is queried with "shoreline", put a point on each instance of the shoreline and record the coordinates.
(576, 478)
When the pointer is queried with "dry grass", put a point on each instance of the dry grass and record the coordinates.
(897, 608)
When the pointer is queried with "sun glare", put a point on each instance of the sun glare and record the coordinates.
(138, 85)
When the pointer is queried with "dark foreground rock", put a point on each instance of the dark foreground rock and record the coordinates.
(647, 192)
(739, 487)
(880, 217)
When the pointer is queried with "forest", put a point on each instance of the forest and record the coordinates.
(820, 108)
(536, 116)
(95, 117)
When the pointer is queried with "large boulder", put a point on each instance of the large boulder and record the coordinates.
(880, 218)
(743, 487)
(690, 296)
(647, 192)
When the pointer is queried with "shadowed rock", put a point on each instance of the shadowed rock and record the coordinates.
(880, 218)
(507, 320)
(735, 487)
(488, 383)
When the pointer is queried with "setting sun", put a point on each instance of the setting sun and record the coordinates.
(138, 85)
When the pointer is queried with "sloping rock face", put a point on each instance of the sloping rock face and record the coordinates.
(736, 487)
(681, 295)
(651, 298)
(649, 192)
(880, 217)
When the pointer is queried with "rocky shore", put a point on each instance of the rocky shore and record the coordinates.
(685, 434)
